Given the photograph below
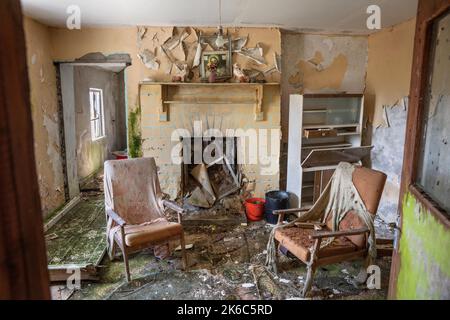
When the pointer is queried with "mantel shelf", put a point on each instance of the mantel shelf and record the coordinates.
(257, 90)
(208, 102)
(237, 84)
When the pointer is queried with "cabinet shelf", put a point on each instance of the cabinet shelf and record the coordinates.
(207, 102)
(330, 126)
(324, 130)
(327, 146)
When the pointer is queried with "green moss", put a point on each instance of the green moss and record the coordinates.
(53, 213)
(424, 255)
(134, 134)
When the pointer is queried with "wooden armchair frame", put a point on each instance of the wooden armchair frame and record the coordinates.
(369, 184)
(318, 235)
(127, 250)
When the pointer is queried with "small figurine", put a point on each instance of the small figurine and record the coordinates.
(180, 76)
(239, 74)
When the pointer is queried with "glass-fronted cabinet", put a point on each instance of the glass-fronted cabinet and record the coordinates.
(324, 129)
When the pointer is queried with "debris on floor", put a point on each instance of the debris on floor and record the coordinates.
(226, 261)
(77, 239)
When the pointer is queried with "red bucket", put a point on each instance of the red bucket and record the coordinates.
(254, 208)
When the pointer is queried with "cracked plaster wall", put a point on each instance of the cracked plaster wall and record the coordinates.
(72, 44)
(44, 110)
(321, 64)
(388, 81)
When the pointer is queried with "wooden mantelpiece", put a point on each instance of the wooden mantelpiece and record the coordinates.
(189, 93)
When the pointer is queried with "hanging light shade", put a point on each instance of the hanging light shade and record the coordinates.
(220, 41)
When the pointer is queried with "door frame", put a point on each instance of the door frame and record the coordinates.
(23, 258)
(428, 12)
(67, 109)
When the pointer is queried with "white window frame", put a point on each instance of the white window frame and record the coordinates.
(97, 121)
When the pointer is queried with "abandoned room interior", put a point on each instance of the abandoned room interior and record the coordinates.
(225, 150)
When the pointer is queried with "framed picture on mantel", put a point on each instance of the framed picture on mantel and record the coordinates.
(217, 61)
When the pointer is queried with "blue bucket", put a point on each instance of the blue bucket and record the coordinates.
(275, 200)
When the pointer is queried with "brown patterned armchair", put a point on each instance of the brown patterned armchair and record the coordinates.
(351, 240)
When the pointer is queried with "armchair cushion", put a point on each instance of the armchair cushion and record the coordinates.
(136, 235)
(297, 241)
(351, 221)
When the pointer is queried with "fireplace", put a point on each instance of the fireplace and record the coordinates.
(226, 108)
(210, 169)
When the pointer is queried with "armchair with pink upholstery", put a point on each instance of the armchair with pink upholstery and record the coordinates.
(135, 209)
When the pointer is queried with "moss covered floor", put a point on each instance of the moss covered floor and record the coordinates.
(225, 263)
(78, 238)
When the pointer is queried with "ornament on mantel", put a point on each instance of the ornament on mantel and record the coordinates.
(239, 74)
(181, 75)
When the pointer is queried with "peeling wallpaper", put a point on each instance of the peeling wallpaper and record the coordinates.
(311, 64)
(387, 156)
(386, 102)
(42, 77)
(72, 44)
(389, 69)
(321, 64)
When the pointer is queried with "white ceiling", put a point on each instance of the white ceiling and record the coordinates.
(338, 16)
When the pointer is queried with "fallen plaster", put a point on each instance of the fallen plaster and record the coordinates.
(226, 262)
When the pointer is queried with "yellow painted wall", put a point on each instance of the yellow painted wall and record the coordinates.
(59, 44)
(389, 68)
(72, 44)
(42, 77)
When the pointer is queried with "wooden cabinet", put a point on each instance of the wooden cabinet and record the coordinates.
(324, 130)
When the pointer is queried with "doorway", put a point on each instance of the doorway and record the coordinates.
(93, 114)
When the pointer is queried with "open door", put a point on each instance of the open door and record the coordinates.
(420, 265)
(23, 262)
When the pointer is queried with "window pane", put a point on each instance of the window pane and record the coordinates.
(434, 165)
(96, 106)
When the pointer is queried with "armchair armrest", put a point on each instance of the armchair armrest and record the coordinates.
(335, 234)
(175, 207)
(282, 213)
(287, 211)
(115, 217)
(310, 225)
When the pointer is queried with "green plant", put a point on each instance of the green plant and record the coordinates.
(134, 134)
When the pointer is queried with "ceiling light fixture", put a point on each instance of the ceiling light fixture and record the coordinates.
(220, 41)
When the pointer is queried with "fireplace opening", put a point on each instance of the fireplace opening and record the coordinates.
(210, 170)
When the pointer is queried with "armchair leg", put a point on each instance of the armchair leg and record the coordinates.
(309, 279)
(311, 267)
(112, 256)
(125, 255)
(183, 251)
(127, 266)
